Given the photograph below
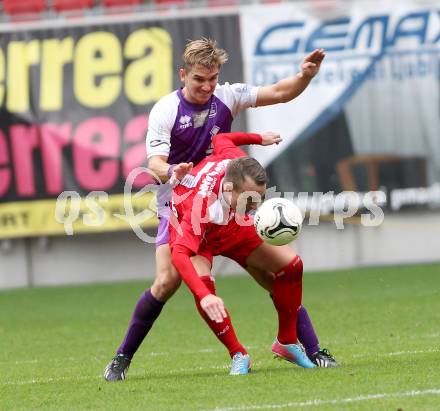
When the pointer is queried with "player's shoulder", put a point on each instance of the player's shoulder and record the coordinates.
(236, 96)
(232, 88)
(165, 109)
(168, 102)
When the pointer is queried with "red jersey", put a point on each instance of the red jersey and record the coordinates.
(200, 212)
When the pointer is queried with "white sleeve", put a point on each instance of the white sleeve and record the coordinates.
(160, 123)
(237, 96)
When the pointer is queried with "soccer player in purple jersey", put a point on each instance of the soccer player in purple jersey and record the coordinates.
(180, 130)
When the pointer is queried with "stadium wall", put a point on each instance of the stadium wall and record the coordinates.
(368, 122)
(410, 239)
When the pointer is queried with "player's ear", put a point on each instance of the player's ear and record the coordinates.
(228, 186)
(182, 74)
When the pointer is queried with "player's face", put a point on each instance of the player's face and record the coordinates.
(248, 197)
(200, 83)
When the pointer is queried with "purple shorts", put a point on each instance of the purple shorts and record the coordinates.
(163, 232)
(163, 210)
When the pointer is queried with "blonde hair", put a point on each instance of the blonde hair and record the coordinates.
(203, 52)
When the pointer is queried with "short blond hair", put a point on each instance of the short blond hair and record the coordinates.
(204, 52)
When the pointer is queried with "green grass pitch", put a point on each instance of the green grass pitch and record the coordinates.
(382, 324)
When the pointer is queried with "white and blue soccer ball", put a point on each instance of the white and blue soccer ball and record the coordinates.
(278, 221)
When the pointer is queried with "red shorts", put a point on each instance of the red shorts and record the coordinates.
(232, 241)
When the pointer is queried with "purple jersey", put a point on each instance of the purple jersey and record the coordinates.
(183, 131)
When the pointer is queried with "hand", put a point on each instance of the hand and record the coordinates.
(180, 171)
(214, 307)
(312, 62)
(269, 138)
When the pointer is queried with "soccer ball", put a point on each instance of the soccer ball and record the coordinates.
(278, 221)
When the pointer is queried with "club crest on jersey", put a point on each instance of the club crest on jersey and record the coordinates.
(200, 118)
(185, 122)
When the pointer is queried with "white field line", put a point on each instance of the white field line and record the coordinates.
(398, 353)
(140, 357)
(413, 352)
(108, 357)
(205, 351)
(250, 347)
(49, 380)
(100, 377)
(396, 338)
(314, 403)
(174, 371)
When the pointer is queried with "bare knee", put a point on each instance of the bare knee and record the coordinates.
(166, 284)
(263, 278)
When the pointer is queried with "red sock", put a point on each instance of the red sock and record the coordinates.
(224, 330)
(286, 295)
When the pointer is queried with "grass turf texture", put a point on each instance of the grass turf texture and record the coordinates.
(382, 324)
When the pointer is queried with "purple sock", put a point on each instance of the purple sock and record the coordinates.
(145, 313)
(306, 333)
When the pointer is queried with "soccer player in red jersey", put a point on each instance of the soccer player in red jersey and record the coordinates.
(181, 127)
(210, 207)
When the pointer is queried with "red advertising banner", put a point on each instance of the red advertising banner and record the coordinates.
(74, 105)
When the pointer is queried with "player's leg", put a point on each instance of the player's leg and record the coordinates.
(224, 331)
(321, 357)
(263, 278)
(244, 246)
(304, 327)
(286, 284)
(261, 261)
(286, 294)
(151, 302)
(167, 280)
(147, 308)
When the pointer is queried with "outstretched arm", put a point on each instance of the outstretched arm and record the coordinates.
(178, 171)
(181, 259)
(210, 303)
(227, 144)
(289, 88)
(160, 167)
